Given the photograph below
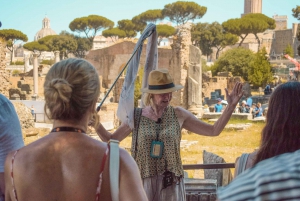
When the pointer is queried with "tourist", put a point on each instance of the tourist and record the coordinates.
(258, 110)
(248, 108)
(32, 110)
(67, 164)
(242, 108)
(157, 134)
(281, 133)
(275, 179)
(253, 109)
(219, 106)
(267, 90)
(205, 108)
(249, 101)
(10, 135)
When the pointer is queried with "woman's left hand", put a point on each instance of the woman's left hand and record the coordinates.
(236, 94)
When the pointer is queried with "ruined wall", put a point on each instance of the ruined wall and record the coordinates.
(210, 84)
(110, 61)
(183, 62)
(4, 75)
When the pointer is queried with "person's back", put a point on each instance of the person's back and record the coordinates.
(70, 167)
(274, 179)
(67, 164)
(10, 135)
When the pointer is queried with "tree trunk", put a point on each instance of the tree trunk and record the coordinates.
(258, 41)
(218, 52)
(243, 38)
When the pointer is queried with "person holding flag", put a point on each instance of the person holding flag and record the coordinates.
(156, 135)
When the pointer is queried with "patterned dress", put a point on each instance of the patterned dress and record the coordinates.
(167, 131)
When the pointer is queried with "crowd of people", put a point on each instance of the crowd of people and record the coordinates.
(67, 164)
(244, 107)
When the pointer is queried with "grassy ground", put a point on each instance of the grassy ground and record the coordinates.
(229, 144)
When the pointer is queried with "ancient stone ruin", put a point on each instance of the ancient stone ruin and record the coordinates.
(4, 75)
(183, 61)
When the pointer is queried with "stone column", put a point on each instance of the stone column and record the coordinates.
(56, 53)
(35, 74)
(26, 63)
(194, 81)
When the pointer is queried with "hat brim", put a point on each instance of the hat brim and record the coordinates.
(162, 91)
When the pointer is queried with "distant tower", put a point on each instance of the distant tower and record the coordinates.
(45, 31)
(252, 6)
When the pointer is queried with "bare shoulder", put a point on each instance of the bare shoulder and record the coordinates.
(183, 114)
(126, 159)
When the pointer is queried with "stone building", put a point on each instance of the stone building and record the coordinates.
(45, 31)
(280, 21)
(282, 38)
(252, 6)
(183, 62)
(100, 42)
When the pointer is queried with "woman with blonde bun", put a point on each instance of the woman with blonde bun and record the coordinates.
(67, 164)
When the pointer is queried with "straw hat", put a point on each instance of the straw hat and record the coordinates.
(160, 81)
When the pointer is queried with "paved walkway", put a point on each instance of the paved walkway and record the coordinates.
(43, 125)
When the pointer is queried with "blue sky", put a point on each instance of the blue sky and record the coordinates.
(27, 15)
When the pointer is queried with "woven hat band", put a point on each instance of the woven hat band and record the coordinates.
(158, 87)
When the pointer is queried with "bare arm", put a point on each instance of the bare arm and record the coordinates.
(189, 122)
(130, 174)
(8, 185)
(103, 133)
(120, 134)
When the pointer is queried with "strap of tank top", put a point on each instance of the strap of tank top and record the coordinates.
(12, 176)
(114, 168)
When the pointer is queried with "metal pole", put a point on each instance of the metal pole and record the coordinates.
(99, 106)
(142, 42)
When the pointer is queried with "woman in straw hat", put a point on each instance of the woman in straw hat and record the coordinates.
(157, 134)
(67, 164)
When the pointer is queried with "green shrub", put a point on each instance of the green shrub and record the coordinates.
(48, 62)
(17, 63)
(15, 72)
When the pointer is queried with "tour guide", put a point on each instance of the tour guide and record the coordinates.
(157, 134)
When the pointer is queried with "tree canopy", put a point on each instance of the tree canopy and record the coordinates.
(164, 31)
(128, 27)
(260, 70)
(151, 16)
(140, 21)
(236, 60)
(296, 12)
(252, 23)
(181, 12)
(11, 36)
(289, 50)
(114, 33)
(206, 36)
(90, 25)
(35, 47)
(65, 44)
(83, 44)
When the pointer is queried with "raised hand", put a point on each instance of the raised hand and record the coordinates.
(236, 94)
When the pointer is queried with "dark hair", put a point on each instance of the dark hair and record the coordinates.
(281, 133)
(71, 87)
